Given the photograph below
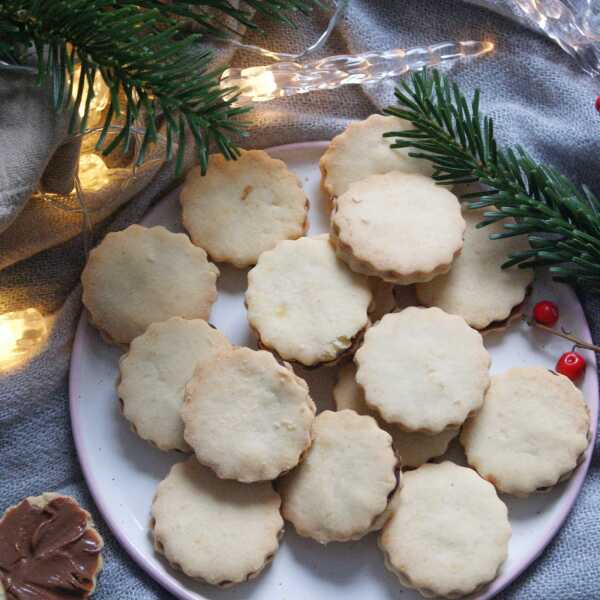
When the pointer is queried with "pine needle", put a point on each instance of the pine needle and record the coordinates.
(138, 48)
(560, 220)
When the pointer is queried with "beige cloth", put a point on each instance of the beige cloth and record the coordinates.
(30, 135)
(37, 153)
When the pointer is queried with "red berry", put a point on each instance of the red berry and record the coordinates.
(545, 312)
(571, 365)
(597, 103)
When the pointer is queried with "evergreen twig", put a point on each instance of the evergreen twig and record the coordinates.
(153, 71)
(577, 342)
(560, 220)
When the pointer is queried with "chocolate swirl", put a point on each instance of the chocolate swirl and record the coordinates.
(48, 553)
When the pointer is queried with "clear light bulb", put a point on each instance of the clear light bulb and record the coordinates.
(98, 103)
(260, 84)
(21, 333)
(93, 174)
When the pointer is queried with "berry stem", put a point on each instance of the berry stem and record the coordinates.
(567, 336)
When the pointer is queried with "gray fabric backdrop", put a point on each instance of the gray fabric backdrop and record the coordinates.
(539, 99)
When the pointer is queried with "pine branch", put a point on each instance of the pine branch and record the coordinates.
(207, 14)
(138, 49)
(561, 221)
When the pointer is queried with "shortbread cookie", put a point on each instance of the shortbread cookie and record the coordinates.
(531, 432)
(156, 370)
(243, 207)
(141, 276)
(423, 369)
(222, 532)
(342, 486)
(305, 304)
(362, 150)
(48, 549)
(246, 416)
(413, 449)
(448, 532)
(477, 288)
(402, 228)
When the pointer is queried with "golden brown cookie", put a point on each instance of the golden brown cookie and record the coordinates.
(219, 531)
(243, 207)
(361, 151)
(401, 228)
(141, 276)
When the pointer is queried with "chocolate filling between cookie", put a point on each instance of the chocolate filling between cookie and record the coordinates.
(355, 342)
(48, 553)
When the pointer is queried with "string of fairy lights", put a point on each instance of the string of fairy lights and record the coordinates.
(24, 332)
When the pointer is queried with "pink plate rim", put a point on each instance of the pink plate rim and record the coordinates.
(175, 587)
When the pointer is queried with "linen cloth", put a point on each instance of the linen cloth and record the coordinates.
(538, 97)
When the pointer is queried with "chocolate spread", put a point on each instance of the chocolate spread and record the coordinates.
(48, 553)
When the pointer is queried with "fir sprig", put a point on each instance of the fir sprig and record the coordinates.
(560, 220)
(154, 72)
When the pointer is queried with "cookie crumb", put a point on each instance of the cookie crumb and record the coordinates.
(246, 192)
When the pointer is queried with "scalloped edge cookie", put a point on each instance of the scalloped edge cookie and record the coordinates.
(246, 416)
(243, 207)
(42, 501)
(531, 433)
(139, 276)
(191, 500)
(155, 371)
(477, 288)
(305, 304)
(448, 531)
(336, 494)
(378, 225)
(345, 160)
(423, 369)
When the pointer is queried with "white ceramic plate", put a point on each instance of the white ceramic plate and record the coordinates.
(122, 471)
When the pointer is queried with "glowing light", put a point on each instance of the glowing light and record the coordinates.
(98, 103)
(260, 84)
(93, 173)
(21, 333)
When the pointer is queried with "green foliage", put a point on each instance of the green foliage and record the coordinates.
(154, 72)
(561, 221)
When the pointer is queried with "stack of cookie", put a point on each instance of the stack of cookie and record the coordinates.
(392, 221)
(408, 379)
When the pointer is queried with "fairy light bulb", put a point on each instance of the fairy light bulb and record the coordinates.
(93, 174)
(98, 103)
(260, 84)
(21, 333)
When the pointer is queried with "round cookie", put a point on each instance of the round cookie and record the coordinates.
(448, 532)
(346, 159)
(423, 369)
(477, 288)
(141, 276)
(402, 228)
(305, 304)
(243, 207)
(48, 549)
(343, 484)
(156, 370)
(246, 416)
(222, 532)
(531, 432)
(413, 449)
